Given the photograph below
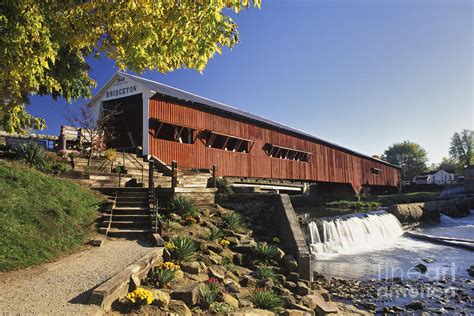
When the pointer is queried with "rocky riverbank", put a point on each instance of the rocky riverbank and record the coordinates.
(448, 295)
(219, 261)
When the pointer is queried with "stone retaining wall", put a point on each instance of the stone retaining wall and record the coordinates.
(279, 218)
(412, 213)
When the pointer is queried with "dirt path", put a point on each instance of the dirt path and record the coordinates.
(63, 287)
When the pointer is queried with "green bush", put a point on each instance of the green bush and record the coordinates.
(265, 299)
(215, 233)
(223, 186)
(32, 154)
(233, 220)
(184, 206)
(209, 293)
(185, 248)
(162, 277)
(264, 273)
(266, 252)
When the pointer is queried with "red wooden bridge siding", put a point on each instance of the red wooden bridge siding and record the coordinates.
(325, 164)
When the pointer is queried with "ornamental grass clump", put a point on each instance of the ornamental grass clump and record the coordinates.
(209, 292)
(32, 154)
(264, 273)
(184, 207)
(265, 299)
(182, 248)
(233, 220)
(164, 274)
(215, 233)
(140, 297)
(266, 252)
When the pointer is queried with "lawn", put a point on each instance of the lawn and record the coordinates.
(41, 216)
(413, 197)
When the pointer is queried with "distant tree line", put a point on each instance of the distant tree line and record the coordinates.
(413, 158)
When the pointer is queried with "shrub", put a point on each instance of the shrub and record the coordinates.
(233, 220)
(223, 186)
(215, 233)
(32, 154)
(220, 308)
(265, 299)
(169, 224)
(184, 248)
(209, 292)
(184, 206)
(265, 273)
(140, 297)
(266, 252)
(162, 276)
(110, 154)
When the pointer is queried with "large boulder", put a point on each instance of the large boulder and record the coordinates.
(188, 293)
(232, 301)
(414, 213)
(191, 267)
(161, 298)
(179, 308)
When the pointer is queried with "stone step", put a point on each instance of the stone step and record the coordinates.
(130, 224)
(117, 232)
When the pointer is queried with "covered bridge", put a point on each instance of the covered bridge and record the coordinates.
(174, 125)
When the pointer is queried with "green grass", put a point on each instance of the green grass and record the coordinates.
(41, 216)
(415, 197)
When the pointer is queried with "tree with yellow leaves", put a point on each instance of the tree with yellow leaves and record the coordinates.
(44, 44)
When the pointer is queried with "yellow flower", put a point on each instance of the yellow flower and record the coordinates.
(169, 245)
(141, 296)
(224, 243)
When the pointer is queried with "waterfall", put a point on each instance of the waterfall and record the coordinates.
(352, 233)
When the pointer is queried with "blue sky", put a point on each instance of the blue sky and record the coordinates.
(363, 74)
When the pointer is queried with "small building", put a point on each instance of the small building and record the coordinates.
(172, 125)
(439, 177)
(469, 179)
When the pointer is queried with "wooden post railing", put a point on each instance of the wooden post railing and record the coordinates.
(214, 176)
(174, 174)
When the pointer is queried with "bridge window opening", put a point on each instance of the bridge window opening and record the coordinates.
(174, 133)
(228, 143)
(286, 153)
(375, 171)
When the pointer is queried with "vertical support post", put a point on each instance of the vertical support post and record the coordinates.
(150, 174)
(174, 174)
(214, 175)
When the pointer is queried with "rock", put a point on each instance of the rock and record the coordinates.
(166, 255)
(232, 286)
(302, 308)
(414, 213)
(312, 301)
(203, 266)
(265, 283)
(415, 305)
(179, 308)
(280, 254)
(248, 281)
(230, 275)
(135, 282)
(280, 278)
(324, 293)
(191, 267)
(178, 275)
(252, 312)
(215, 247)
(290, 285)
(245, 303)
(217, 272)
(471, 271)
(290, 264)
(302, 288)
(234, 241)
(199, 277)
(293, 276)
(232, 301)
(214, 258)
(188, 293)
(244, 249)
(161, 298)
(295, 312)
(421, 267)
(238, 259)
(241, 271)
(428, 260)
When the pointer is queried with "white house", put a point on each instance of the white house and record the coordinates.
(435, 177)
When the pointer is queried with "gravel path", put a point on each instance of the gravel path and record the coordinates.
(63, 287)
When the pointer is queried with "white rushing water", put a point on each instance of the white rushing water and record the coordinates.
(353, 233)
